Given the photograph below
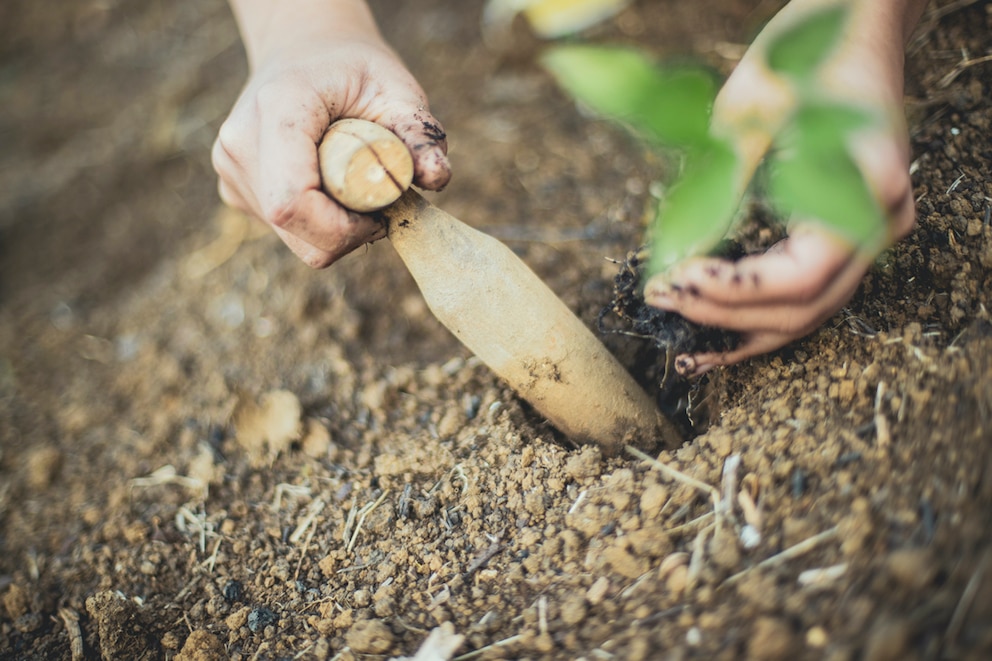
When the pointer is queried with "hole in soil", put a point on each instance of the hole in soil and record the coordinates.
(658, 337)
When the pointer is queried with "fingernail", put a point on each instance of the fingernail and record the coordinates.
(657, 287)
(660, 298)
(685, 365)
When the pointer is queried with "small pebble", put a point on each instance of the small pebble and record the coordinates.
(370, 637)
(260, 618)
(771, 640)
(202, 646)
(598, 590)
(43, 465)
(29, 622)
(16, 601)
(653, 499)
(817, 638)
(912, 568)
(888, 641)
(233, 591)
(573, 611)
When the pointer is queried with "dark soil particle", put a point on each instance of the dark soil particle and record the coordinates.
(669, 332)
(261, 617)
(233, 591)
(391, 483)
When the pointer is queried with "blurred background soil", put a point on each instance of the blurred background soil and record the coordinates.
(206, 447)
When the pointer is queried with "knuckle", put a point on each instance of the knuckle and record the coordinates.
(229, 139)
(269, 94)
(282, 214)
(894, 189)
(793, 328)
(808, 289)
(281, 98)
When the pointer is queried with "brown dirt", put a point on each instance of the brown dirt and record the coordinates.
(381, 481)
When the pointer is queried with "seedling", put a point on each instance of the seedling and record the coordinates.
(809, 170)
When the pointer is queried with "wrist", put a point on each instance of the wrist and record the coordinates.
(267, 27)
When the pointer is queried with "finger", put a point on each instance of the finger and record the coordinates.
(315, 229)
(230, 197)
(290, 193)
(755, 344)
(884, 161)
(310, 255)
(793, 323)
(793, 317)
(313, 257)
(405, 112)
(428, 144)
(795, 270)
(321, 223)
(228, 174)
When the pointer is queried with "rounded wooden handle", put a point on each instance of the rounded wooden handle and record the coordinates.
(363, 165)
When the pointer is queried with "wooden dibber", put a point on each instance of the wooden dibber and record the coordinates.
(494, 303)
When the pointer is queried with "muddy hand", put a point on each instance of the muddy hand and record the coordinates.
(311, 64)
(787, 292)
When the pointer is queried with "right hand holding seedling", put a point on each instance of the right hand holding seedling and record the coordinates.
(311, 64)
(818, 98)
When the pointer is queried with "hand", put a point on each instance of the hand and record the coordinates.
(307, 72)
(787, 292)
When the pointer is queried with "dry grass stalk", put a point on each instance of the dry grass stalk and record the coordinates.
(494, 646)
(316, 507)
(882, 431)
(822, 576)
(790, 553)
(167, 475)
(964, 604)
(730, 468)
(542, 614)
(961, 67)
(697, 558)
(495, 547)
(291, 490)
(303, 552)
(211, 562)
(439, 645)
(350, 521)
(690, 524)
(670, 472)
(365, 511)
(578, 501)
(930, 20)
(188, 522)
(71, 620)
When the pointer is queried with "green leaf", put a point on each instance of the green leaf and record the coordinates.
(671, 106)
(699, 209)
(823, 183)
(800, 50)
(824, 124)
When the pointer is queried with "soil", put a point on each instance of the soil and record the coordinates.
(210, 451)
